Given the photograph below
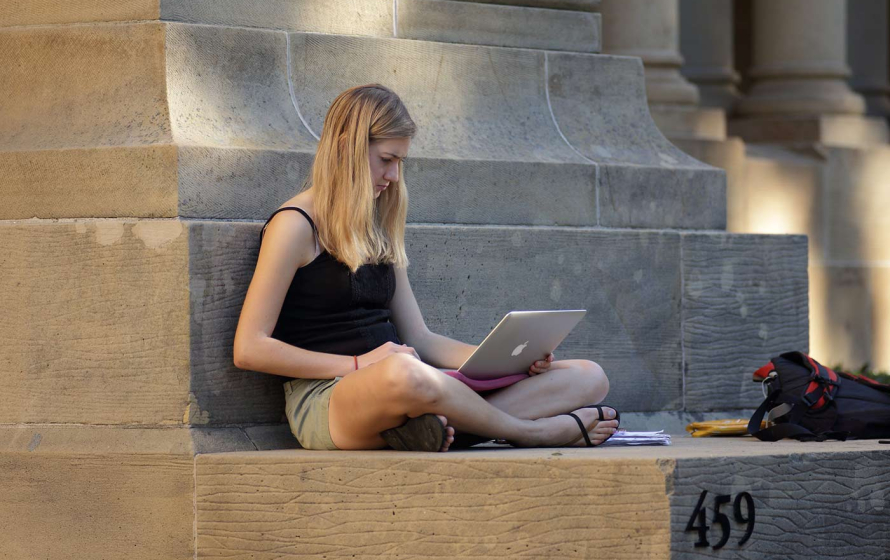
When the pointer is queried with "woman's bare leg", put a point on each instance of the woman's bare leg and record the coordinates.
(384, 395)
(567, 386)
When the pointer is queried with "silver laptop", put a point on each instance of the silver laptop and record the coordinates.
(518, 340)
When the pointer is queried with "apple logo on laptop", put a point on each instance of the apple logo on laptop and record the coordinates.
(518, 350)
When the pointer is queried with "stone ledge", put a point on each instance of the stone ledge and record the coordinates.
(551, 503)
(473, 23)
(217, 102)
(852, 131)
(154, 492)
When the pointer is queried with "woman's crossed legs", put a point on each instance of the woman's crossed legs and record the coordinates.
(385, 394)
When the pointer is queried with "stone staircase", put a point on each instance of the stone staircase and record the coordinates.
(142, 146)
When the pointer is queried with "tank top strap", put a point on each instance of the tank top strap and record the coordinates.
(305, 215)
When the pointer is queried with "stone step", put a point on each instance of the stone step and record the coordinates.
(223, 492)
(207, 121)
(548, 503)
(570, 28)
(132, 321)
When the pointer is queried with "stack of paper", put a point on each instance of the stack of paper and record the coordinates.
(623, 437)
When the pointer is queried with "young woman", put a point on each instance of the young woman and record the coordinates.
(330, 305)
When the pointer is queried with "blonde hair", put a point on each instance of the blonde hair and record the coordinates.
(352, 226)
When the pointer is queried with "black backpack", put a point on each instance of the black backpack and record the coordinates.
(824, 404)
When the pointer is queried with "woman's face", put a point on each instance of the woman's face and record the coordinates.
(384, 156)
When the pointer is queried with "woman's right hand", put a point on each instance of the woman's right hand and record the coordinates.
(384, 351)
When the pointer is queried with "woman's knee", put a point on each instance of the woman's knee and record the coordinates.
(409, 381)
(595, 380)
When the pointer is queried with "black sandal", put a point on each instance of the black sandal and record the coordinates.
(424, 433)
(602, 417)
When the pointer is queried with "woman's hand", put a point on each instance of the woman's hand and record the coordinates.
(384, 351)
(541, 366)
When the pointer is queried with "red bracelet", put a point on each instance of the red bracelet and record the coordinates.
(356, 362)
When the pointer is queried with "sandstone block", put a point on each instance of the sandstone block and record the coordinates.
(95, 322)
(857, 203)
(503, 26)
(579, 5)
(744, 301)
(467, 278)
(831, 130)
(108, 182)
(849, 306)
(77, 11)
(73, 506)
(645, 181)
(689, 122)
(790, 504)
(83, 87)
(368, 17)
(224, 122)
(286, 505)
(117, 322)
(503, 503)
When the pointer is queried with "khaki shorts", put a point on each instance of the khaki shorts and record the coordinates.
(306, 405)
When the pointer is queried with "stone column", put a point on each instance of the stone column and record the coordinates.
(800, 60)
(867, 53)
(706, 44)
(651, 31)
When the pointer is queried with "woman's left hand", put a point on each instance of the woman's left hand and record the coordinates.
(541, 366)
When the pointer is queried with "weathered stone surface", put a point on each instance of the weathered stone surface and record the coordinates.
(490, 502)
(857, 205)
(469, 102)
(170, 293)
(242, 108)
(849, 307)
(503, 26)
(501, 192)
(780, 193)
(83, 87)
(238, 184)
(594, 99)
(107, 182)
(229, 88)
(165, 295)
(744, 301)
(72, 506)
(467, 278)
(580, 5)
(108, 440)
(95, 322)
(24, 12)
(222, 260)
(793, 496)
(689, 121)
(648, 197)
(831, 130)
(728, 155)
(368, 17)
(305, 504)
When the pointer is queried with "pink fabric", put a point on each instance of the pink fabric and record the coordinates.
(479, 385)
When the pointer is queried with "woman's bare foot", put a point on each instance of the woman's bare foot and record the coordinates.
(449, 433)
(563, 431)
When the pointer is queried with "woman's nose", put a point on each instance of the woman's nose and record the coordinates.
(392, 173)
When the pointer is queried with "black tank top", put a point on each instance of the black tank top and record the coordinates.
(329, 309)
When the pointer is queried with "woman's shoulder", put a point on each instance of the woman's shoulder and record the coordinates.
(289, 232)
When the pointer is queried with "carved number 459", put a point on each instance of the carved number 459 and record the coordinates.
(700, 513)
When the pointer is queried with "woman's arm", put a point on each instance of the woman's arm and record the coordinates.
(434, 349)
(288, 244)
